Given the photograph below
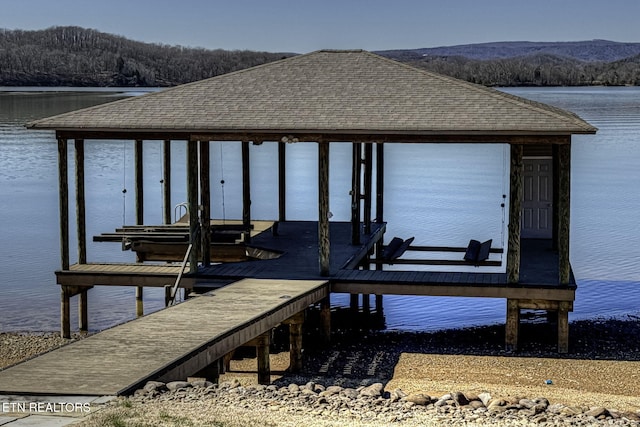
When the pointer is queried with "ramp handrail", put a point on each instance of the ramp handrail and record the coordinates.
(174, 290)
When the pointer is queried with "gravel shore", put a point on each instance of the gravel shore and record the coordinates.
(367, 378)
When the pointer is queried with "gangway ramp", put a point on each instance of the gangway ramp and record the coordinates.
(167, 345)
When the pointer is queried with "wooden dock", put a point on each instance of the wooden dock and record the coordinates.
(167, 345)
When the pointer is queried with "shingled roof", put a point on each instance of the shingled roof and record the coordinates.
(325, 92)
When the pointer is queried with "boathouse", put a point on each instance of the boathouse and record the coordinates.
(324, 98)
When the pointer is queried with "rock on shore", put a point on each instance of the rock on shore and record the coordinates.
(374, 404)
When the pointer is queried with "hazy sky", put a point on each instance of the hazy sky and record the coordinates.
(304, 26)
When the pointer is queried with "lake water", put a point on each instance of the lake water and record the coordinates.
(441, 194)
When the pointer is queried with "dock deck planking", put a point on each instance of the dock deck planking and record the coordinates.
(166, 345)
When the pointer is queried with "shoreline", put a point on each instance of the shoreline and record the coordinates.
(601, 370)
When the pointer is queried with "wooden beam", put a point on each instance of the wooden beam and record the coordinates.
(205, 203)
(282, 181)
(63, 192)
(356, 160)
(139, 178)
(515, 207)
(454, 290)
(192, 202)
(246, 191)
(323, 208)
(166, 180)
(564, 212)
(80, 202)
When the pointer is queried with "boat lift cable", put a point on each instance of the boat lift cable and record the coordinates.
(505, 147)
(224, 216)
(124, 183)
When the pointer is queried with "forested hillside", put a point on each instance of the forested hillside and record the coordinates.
(535, 70)
(73, 56)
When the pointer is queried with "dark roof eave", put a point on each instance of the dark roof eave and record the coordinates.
(303, 135)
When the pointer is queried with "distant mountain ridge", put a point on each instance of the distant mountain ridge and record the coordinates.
(588, 51)
(75, 56)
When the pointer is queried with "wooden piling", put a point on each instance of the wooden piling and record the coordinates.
(166, 180)
(65, 313)
(323, 208)
(295, 341)
(325, 317)
(80, 202)
(63, 190)
(246, 192)
(192, 202)
(356, 160)
(513, 325)
(379, 183)
(139, 301)
(139, 179)
(564, 211)
(205, 203)
(563, 326)
(282, 181)
(368, 186)
(83, 310)
(262, 349)
(515, 207)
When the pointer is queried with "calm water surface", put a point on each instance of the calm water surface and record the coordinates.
(441, 194)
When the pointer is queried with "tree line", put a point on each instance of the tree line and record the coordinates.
(535, 70)
(74, 56)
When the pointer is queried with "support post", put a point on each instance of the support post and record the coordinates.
(295, 341)
(83, 310)
(282, 181)
(356, 159)
(379, 182)
(262, 350)
(246, 192)
(325, 318)
(515, 207)
(192, 202)
(63, 191)
(323, 208)
(564, 196)
(139, 301)
(138, 159)
(368, 186)
(205, 203)
(167, 295)
(65, 312)
(563, 326)
(80, 202)
(166, 180)
(513, 325)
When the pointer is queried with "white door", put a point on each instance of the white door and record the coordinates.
(537, 205)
